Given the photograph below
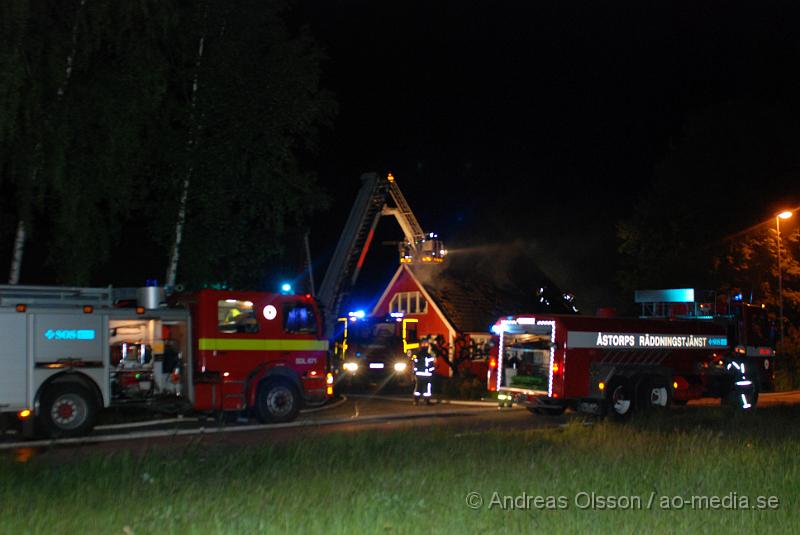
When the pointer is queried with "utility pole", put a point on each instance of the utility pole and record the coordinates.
(309, 266)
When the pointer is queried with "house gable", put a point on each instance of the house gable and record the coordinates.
(433, 321)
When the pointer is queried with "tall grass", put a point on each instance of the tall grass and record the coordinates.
(415, 481)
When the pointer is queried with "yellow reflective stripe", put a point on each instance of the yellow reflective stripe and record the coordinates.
(249, 344)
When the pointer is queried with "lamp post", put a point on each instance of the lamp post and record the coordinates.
(783, 215)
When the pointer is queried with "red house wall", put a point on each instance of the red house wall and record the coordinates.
(429, 323)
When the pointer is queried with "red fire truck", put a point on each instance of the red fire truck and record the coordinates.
(66, 353)
(609, 365)
(374, 350)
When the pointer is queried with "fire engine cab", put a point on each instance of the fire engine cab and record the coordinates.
(67, 353)
(374, 350)
(609, 365)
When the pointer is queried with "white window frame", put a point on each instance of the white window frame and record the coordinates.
(411, 303)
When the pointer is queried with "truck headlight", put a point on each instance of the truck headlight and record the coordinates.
(350, 366)
(400, 366)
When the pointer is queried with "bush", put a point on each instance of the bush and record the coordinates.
(787, 367)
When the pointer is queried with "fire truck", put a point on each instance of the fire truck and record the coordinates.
(68, 353)
(374, 350)
(679, 350)
(379, 196)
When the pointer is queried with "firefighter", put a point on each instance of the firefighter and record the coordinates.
(423, 371)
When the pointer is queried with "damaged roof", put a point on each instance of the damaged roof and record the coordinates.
(474, 290)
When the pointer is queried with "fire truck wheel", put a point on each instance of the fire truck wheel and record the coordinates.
(67, 410)
(654, 394)
(620, 399)
(277, 401)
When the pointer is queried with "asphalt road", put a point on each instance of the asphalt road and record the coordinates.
(354, 414)
(350, 414)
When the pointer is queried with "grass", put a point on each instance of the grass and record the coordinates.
(415, 481)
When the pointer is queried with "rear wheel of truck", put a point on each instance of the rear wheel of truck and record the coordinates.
(620, 399)
(277, 401)
(654, 394)
(67, 410)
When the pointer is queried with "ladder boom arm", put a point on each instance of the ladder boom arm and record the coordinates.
(405, 217)
(343, 268)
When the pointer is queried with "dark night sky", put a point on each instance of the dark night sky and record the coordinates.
(552, 114)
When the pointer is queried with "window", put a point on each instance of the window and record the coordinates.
(299, 318)
(235, 316)
(408, 303)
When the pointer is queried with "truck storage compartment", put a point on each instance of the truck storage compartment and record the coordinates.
(147, 358)
(14, 365)
(526, 352)
(527, 364)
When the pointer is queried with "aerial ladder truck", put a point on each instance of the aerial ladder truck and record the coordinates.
(378, 196)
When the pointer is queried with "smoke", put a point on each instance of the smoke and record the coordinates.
(522, 266)
(510, 266)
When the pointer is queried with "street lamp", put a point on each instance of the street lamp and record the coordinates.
(783, 215)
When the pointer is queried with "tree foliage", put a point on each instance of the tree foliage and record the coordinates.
(95, 159)
(750, 264)
(681, 234)
(733, 165)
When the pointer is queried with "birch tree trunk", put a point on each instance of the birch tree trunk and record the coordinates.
(172, 269)
(21, 234)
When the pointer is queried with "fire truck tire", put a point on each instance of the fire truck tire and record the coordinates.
(620, 399)
(67, 410)
(277, 401)
(654, 394)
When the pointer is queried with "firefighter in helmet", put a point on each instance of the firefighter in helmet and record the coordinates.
(423, 371)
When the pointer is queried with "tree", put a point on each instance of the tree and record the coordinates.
(89, 87)
(261, 105)
(749, 264)
(110, 159)
(694, 226)
(732, 165)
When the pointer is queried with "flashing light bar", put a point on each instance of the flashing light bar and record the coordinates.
(357, 314)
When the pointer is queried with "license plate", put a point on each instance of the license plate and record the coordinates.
(376, 365)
